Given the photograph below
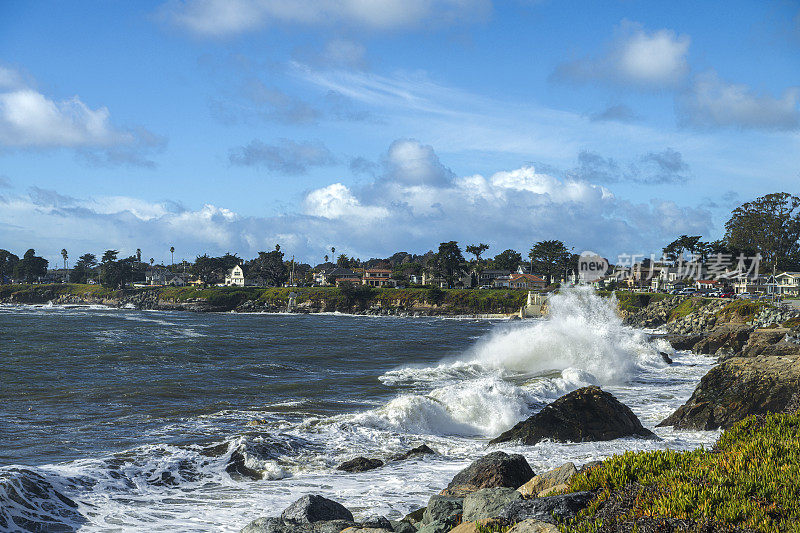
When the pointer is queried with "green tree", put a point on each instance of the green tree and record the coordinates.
(31, 267)
(676, 249)
(271, 266)
(82, 269)
(448, 262)
(507, 260)
(115, 273)
(343, 261)
(769, 225)
(477, 250)
(172, 255)
(550, 258)
(206, 268)
(7, 263)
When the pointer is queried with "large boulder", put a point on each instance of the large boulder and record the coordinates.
(419, 451)
(533, 526)
(547, 509)
(587, 414)
(487, 503)
(360, 464)
(737, 388)
(552, 478)
(443, 509)
(498, 469)
(276, 525)
(683, 342)
(727, 338)
(315, 508)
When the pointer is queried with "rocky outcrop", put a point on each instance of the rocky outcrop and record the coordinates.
(762, 342)
(552, 478)
(683, 342)
(309, 514)
(360, 464)
(740, 387)
(701, 319)
(587, 414)
(487, 503)
(498, 469)
(419, 451)
(547, 509)
(654, 314)
(726, 339)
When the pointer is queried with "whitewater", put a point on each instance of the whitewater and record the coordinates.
(375, 387)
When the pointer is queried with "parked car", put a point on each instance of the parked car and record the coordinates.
(746, 296)
(727, 294)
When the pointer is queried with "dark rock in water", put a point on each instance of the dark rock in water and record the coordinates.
(740, 387)
(236, 466)
(415, 516)
(445, 509)
(360, 464)
(487, 503)
(314, 508)
(276, 525)
(683, 342)
(376, 522)
(666, 358)
(498, 469)
(563, 507)
(419, 451)
(587, 414)
(728, 338)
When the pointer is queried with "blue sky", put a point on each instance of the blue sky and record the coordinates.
(389, 125)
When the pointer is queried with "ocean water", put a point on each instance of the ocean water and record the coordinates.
(126, 420)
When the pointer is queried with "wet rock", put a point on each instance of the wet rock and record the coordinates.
(666, 358)
(487, 503)
(444, 509)
(315, 508)
(563, 507)
(728, 338)
(551, 478)
(376, 522)
(415, 516)
(401, 526)
(587, 414)
(419, 451)
(276, 525)
(360, 464)
(737, 388)
(498, 469)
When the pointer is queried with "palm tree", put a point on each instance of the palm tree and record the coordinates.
(152, 261)
(333, 251)
(172, 254)
(139, 256)
(326, 258)
(64, 255)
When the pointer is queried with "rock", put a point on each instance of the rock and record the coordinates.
(419, 451)
(762, 341)
(360, 464)
(444, 509)
(376, 522)
(728, 338)
(472, 527)
(436, 527)
(588, 466)
(551, 490)
(487, 503)
(415, 516)
(737, 388)
(314, 508)
(498, 469)
(563, 507)
(360, 529)
(533, 526)
(276, 525)
(683, 342)
(666, 358)
(587, 414)
(551, 478)
(401, 526)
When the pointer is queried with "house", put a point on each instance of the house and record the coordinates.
(762, 285)
(520, 281)
(378, 277)
(235, 277)
(707, 284)
(156, 276)
(488, 276)
(176, 280)
(788, 283)
(331, 276)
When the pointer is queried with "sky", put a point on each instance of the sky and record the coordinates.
(376, 126)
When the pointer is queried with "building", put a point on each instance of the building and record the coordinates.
(378, 277)
(788, 283)
(156, 276)
(520, 281)
(333, 275)
(176, 280)
(235, 277)
(488, 276)
(707, 284)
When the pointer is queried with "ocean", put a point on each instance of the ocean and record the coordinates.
(127, 420)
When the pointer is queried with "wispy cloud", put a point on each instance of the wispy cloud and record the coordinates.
(285, 157)
(652, 168)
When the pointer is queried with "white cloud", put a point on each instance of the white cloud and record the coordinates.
(508, 209)
(227, 17)
(711, 102)
(635, 58)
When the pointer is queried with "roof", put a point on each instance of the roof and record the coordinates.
(790, 274)
(378, 270)
(527, 277)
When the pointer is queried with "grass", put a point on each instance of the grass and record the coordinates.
(751, 479)
(688, 306)
(42, 293)
(741, 310)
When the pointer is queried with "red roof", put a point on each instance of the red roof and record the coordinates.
(527, 277)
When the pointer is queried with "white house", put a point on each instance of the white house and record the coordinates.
(156, 276)
(788, 283)
(235, 277)
(176, 280)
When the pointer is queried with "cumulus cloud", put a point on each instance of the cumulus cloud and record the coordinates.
(31, 120)
(711, 102)
(285, 157)
(411, 163)
(215, 18)
(636, 57)
(652, 168)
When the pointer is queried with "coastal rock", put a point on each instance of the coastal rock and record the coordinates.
(665, 357)
(740, 387)
(487, 503)
(276, 525)
(587, 414)
(419, 451)
(437, 526)
(533, 526)
(415, 516)
(376, 522)
(549, 479)
(547, 509)
(498, 469)
(683, 342)
(360, 464)
(401, 526)
(728, 338)
(761, 341)
(491, 524)
(315, 508)
(443, 509)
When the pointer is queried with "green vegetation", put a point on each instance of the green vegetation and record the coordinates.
(751, 479)
(45, 293)
(491, 526)
(688, 306)
(741, 310)
(792, 323)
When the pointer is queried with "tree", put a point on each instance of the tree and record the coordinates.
(675, 250)
(83, 268)
(152, 261)
(172, 255)
(114, 273)
(507, 260)
(550, 258)
(343, 261)
(769, 225)
(270, 265)
(205, 268)
(326, 258)
(65, 256)
(448, 262)
(7, 263)
(477, 250)
(30, 267)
